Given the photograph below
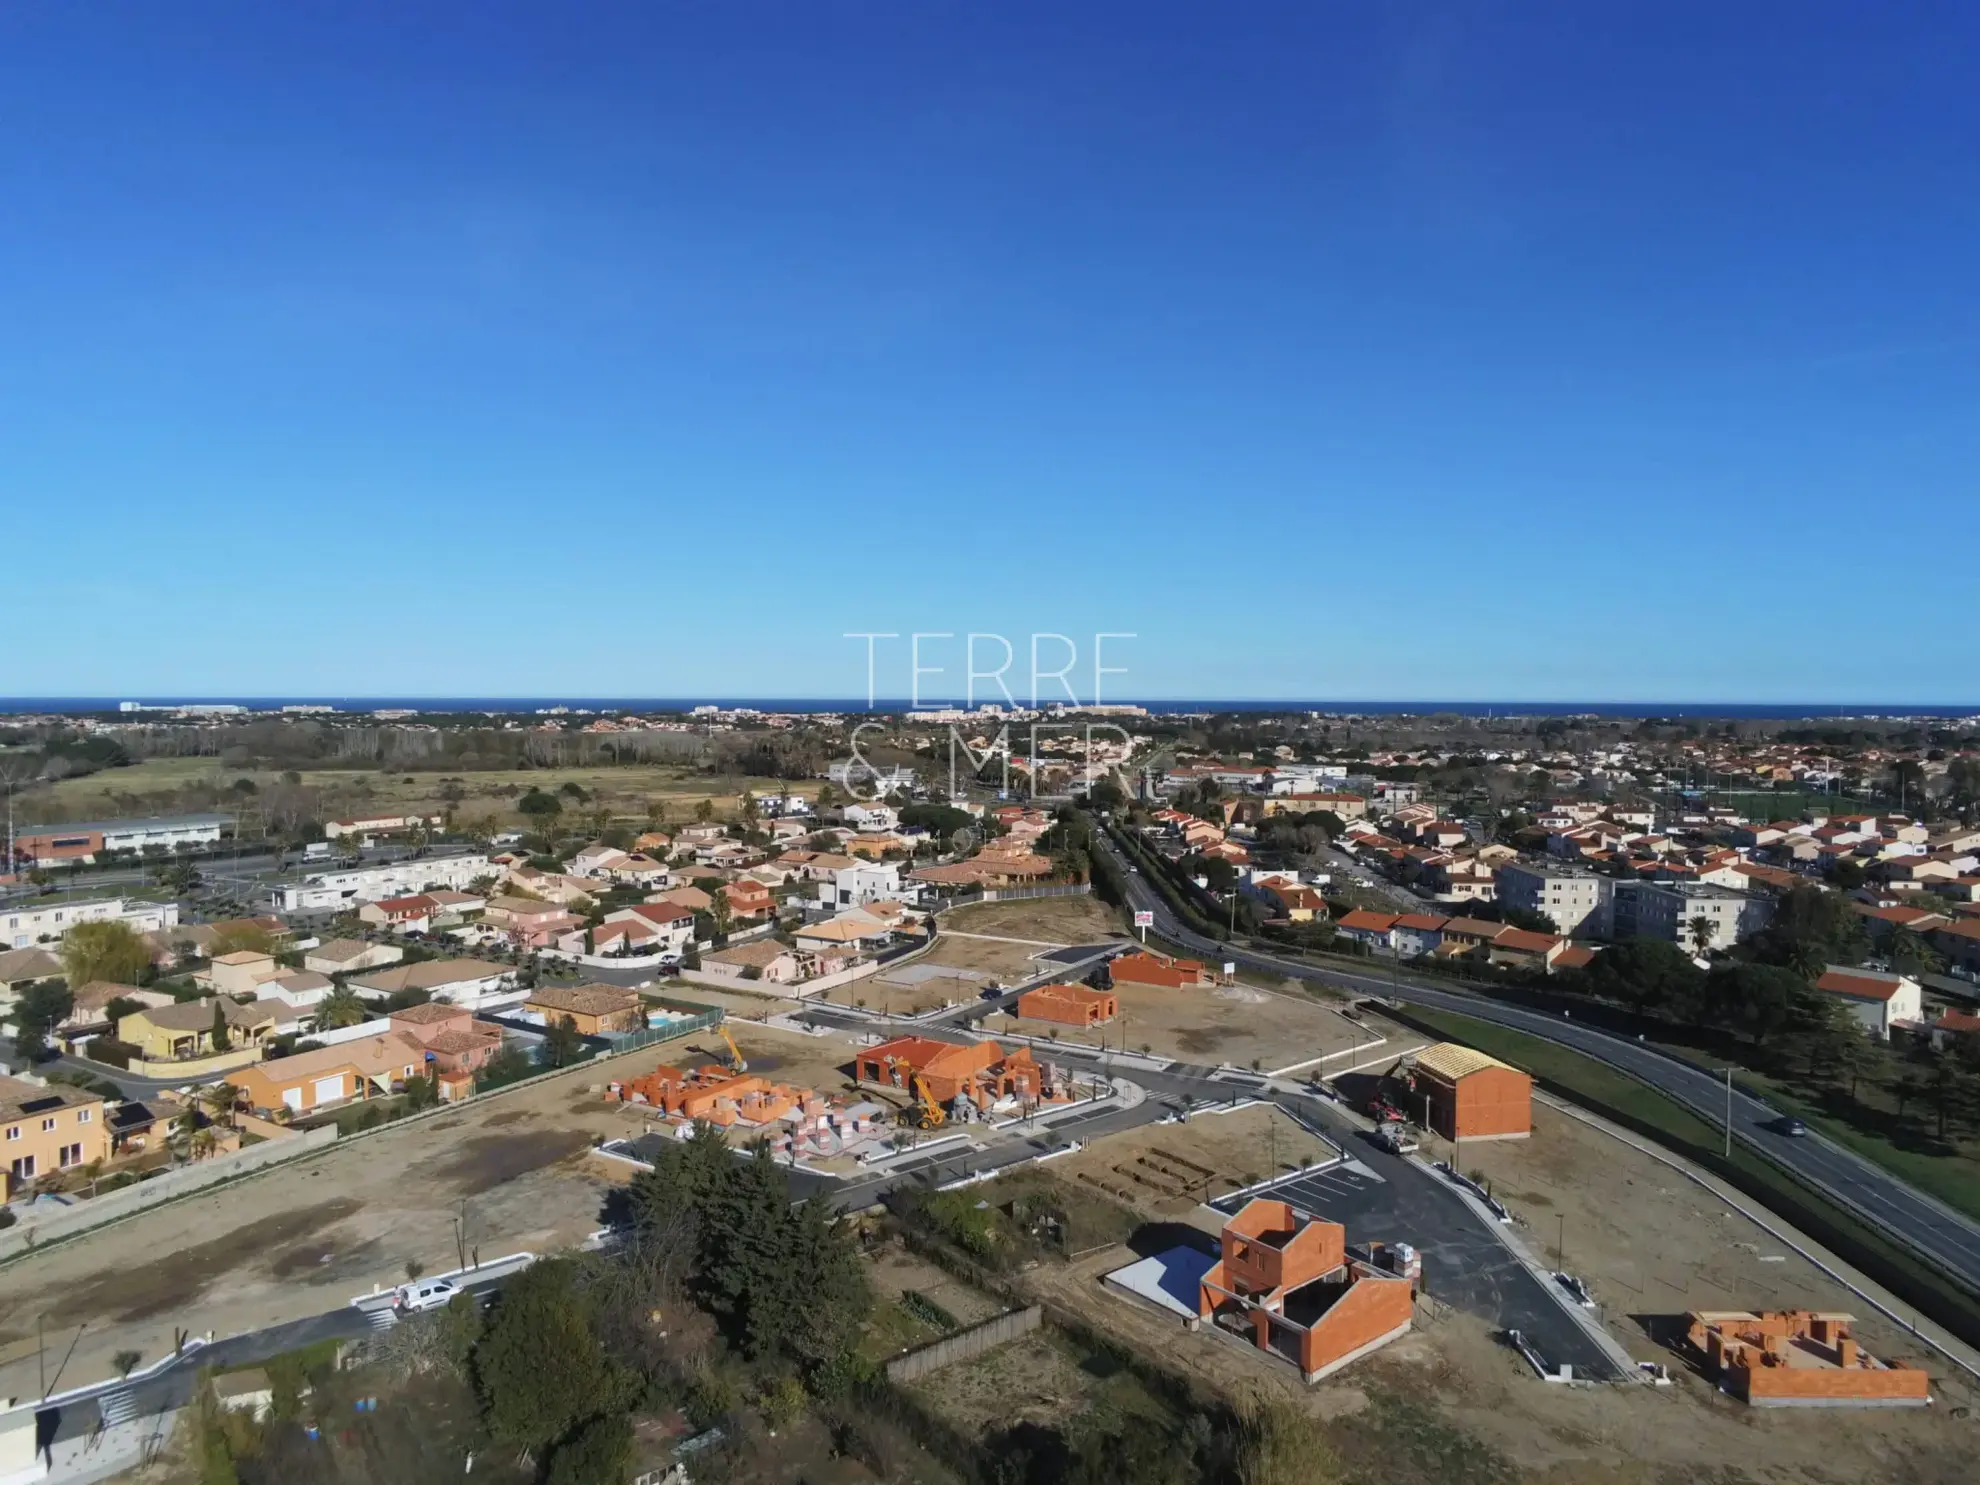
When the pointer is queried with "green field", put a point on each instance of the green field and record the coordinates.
(171, 785)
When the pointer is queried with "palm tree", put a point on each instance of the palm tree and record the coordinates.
(341, 1007)
(219, 1101)
(1701, 929)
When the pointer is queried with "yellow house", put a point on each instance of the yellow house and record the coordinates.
(47, 1128)
(172, 1033)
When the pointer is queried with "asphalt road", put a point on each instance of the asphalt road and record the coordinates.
(1925, 1225)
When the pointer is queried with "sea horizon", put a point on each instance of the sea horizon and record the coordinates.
(510, 705)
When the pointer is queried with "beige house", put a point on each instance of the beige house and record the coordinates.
(766, 960)
(342, 956)
(240, 973)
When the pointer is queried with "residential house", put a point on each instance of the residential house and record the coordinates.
(1877, 999)
(48, 1127)
(20, 968)
(528, 922)
(1286, 1279)
(671, 923)
(981, 1072)
(852, 931)
(1144, 967)
(306, 1081)
(595, 1010)
(1068, 1005)
(453, 1039)
(92, 1004)
(413, 914)
(749, 899)
(765, 960)
(857, 883)
(240, 973)
(184, 1029)
(340, 956)
(597, 860)
(1364, 926)
(469, 982)
(1413, 934)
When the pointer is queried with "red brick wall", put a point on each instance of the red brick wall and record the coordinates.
(1494, 1101)
(1371, 1309)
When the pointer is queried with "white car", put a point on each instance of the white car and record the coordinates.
(429, 1294)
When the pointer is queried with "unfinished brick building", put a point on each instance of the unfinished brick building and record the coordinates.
(1465, 1095)
(983, 1072)
(1289, 1280)
(1068, 1005)
(1145, 968)
(1801, 1359)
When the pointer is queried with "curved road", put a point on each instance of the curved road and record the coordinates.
(1929, 1228)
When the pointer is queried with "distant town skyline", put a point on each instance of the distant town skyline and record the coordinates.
(1507, 354)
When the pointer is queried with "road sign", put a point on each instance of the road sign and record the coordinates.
(1144, 920)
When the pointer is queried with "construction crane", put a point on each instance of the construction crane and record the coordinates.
(738, 1064)
(928, 1114)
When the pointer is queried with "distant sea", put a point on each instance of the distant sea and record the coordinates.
(636, 705)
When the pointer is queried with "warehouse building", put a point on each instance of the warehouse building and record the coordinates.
(1468, 1095)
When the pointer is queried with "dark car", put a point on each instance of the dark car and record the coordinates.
(1788, 1125)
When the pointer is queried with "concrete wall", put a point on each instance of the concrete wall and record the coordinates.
(195, 1069)
(964, 1344)
(61, 1222)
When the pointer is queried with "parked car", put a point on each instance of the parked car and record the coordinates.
(426, 1294)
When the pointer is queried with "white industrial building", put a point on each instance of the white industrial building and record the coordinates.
(362, 884)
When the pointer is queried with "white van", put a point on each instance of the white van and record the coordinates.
(427, 1294)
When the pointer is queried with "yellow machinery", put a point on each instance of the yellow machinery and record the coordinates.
(738, 1064)
(928, 1114)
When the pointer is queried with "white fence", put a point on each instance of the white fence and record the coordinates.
(54, 1223)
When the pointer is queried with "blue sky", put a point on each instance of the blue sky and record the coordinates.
(1493, 351)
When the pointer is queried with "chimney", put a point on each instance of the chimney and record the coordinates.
(1846, 1351)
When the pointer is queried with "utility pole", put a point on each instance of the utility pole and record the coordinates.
(1729, 1111)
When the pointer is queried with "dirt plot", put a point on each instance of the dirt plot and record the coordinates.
(1238, 1025)
(1058, 920)
(274, 1247)
(1415, 1411)
(894, 1273)
(1038, 1379)
(1166, 1170)
(1650, 1243)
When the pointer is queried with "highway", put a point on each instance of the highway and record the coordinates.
(1925, 1225)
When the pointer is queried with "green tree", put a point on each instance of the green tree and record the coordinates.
(341, 1007)
(38, 1011)
(562, 1045)
(221, 1040)
(1701, 930)
(109, 950)
(599, 1453)
(241, 937)
(421, 1093)
(539, 1367)
(704, 810)
(541, 807)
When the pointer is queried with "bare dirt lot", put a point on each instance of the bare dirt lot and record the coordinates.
(1239, 1025)
(921, 984)
(302, 1237)
(1416, 1412)
(1651, 1244)
(1051, 920)
(1166, 1170)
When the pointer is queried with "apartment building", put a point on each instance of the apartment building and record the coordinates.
(23, 924)
(1668, 910)
(1575, 901)
(362, 884)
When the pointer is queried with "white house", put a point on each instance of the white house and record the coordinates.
(1876, 999)
(872, 816)
(859, 884)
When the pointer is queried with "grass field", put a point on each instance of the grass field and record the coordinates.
(1596, 1086)
(168, 785)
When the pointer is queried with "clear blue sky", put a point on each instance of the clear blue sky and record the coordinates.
(1523, 351)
